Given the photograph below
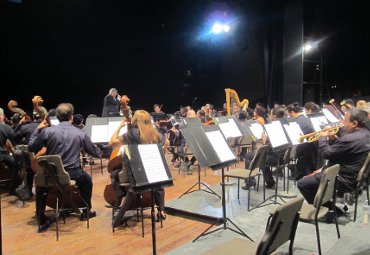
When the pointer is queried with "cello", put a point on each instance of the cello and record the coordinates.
(115, 159)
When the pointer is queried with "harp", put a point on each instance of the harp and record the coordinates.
(231, 98)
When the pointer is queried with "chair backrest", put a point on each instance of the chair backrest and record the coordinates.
(259, 158)
(364, 172)
(326, 190)
(282, 226)
(293, 152)
(42, 177)
(287, 155)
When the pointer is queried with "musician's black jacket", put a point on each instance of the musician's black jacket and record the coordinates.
(111, 106)
(349, 151)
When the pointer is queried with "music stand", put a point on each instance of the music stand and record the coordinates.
(147, 170)
(211, 150)
(279, 143)
(188, 134)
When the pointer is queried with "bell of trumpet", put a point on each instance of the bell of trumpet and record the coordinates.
(314, 136)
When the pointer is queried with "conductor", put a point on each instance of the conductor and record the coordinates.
(111, 106)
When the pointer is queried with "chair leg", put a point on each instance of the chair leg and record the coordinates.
(336, 223)
(238, 187)
(56, 219)
(101, 165)
(356, 202)
(249, 198)
(318, 235)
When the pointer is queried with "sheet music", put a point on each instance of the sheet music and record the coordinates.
(257, 130)
(318, 122)
(99, 133)
(294, 132)
(112, 127)
(276, 134)
(54, 122)
(230, 129)
(152, 162)
(219, 144)
(330, 116)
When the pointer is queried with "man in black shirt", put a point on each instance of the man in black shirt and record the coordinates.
(7, 133)
(66, 141)
(349, 151)
(111, 104)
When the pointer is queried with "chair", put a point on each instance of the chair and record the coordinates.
(281, 228)
(51, 174)
(254, 170)
(325, 193)
(141, 201)
(362, 180)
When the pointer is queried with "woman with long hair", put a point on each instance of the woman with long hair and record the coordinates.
(141, 131)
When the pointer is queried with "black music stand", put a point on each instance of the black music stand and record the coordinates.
(211, 150)
(147, 171)
(188, 134)
(279, 143)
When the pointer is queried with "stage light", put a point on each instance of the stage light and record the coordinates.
(307, 47)
(226, 28)
(217, 28)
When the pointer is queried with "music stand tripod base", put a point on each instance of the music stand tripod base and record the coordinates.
(287, 194)
(199, 183)
(226, 220)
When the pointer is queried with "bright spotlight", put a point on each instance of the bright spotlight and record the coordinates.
(217, 28)
(307, 47)
(226, 28)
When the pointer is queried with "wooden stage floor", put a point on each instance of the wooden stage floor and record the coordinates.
(19, 227)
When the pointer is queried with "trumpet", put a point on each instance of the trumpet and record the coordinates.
(314, 136)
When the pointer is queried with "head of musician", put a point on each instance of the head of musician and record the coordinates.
(64, 112)
(2, 115)
(143, 121)
(191, 114)
(201, 115)
(347, 104)
(157, 108)
(361, 104)
(113, 92)
(184, 111)
(311, 108)
(354, 118)
(236, 108)
(277, 113)
(259, 115)
(294, 110)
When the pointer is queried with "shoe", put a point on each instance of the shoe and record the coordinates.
(83, 216)
(160, 216)
(270, 185)
(45, 226)
(330, 217)
(248, 186)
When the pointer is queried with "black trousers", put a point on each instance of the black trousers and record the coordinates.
(83, 181)
(129, 199)
(9, 162)
(271, 160)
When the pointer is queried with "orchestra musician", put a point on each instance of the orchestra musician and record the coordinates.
(307, 152)
(157, 108)
(67, 141)
(7, 133)
(349, 151)
(111, 105)
(311, 108)
(141, 132)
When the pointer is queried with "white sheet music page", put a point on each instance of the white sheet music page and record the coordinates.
(234, 128)
(152, 162)
(276, 134)
(112, 127)
(330, 116)
(294, 132)
(219, 144)
(257, 130)
(318, 122)
(99, 133)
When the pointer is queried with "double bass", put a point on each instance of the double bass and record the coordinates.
(37, 108)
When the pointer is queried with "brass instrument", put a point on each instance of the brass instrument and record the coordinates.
(231, 94)
(314, 136)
